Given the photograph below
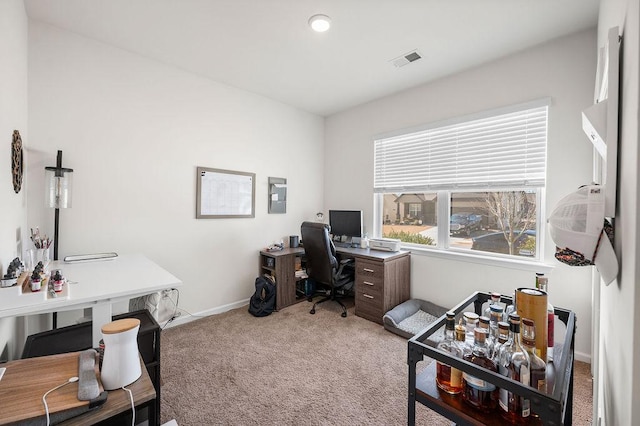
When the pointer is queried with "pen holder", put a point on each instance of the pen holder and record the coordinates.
(33, 256)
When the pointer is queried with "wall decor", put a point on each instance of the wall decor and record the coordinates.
(224, 194)
(16, 161)
(277, 195)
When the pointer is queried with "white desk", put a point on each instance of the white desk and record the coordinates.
(95, 285)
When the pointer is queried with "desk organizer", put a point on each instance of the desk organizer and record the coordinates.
(21, 294)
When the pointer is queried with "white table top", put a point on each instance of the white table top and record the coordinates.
(90, 283)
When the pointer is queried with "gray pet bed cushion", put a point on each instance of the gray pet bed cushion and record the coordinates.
(413, 316)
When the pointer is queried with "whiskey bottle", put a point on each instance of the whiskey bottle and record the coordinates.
(542, 283)
(503, 336)
(479, 393)
(496, 312)
(511, 308)
(460, 338)
(494, 300)
(483, 323)
(537, 366)
(470, 323)
(514, 364)
(449, 379)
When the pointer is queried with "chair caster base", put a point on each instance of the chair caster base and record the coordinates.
(344, 315)
(313, 311)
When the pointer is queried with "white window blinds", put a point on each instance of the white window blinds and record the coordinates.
(499, 150)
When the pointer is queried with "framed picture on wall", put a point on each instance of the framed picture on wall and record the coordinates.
(224, 194)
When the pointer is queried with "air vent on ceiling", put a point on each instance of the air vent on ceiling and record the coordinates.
(405, 59)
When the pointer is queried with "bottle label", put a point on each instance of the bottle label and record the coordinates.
(503, 400)
(481, 385)
(525, 380)
(456, 377)
(541, 385)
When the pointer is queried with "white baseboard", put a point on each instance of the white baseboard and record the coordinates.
(183, 319)
(581, 356)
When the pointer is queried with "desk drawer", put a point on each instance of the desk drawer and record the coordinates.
(369, 285)
(369, 269)
(369, 306)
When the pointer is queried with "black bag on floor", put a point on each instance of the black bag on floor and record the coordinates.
(263, 301)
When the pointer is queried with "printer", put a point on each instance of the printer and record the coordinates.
(385, 244)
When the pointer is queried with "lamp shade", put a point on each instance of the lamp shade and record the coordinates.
(58, 191)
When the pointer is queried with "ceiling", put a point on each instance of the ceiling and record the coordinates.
(267, 47)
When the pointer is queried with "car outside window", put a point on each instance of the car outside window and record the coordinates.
(502, 223)
(426, 182)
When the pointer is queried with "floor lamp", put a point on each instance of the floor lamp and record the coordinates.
(58, 196)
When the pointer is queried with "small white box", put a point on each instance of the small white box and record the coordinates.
(385, 244)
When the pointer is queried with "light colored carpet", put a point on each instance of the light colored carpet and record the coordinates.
(295, 368)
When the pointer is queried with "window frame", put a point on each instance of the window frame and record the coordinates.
(443, 246)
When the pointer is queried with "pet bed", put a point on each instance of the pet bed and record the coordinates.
(410, 317)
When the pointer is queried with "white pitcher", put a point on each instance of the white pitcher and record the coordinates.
(121, 362)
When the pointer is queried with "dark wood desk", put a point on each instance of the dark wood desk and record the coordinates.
(25, 382)
(382, 279)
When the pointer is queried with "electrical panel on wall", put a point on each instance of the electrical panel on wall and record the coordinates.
(600, 121)
(277, 195)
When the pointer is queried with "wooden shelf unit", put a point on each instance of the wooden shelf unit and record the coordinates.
(282, 266)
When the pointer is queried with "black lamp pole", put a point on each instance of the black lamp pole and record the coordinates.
(56, 221)
(59, 172)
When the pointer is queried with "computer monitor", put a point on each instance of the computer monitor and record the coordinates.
(345, 224)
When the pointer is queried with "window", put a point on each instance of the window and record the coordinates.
(471, 184)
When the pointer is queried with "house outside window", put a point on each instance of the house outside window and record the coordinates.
(471, 185)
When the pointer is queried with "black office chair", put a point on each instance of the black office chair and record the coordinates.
(322, 265)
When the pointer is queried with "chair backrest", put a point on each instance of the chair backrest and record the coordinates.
(319, 251)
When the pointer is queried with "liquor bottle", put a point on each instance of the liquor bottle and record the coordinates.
(542, 283)
(511, 308)
(460, 338)
(495, 300)
(514, 364)
(449, 379)
(537, 366)
(470, 323)
(496, 315)
(503, 336)
(479, 393)
(483, 323)
(496, 312)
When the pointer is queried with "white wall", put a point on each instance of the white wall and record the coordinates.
(618, 396)
(563, 69)
(134, 130)
(13, 116)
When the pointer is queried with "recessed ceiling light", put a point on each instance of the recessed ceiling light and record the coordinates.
(320, 23)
